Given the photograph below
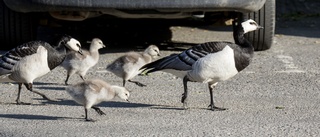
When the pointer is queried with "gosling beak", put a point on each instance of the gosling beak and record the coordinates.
(127, 100)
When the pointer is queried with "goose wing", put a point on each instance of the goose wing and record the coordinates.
(186, 59)
(12, 57)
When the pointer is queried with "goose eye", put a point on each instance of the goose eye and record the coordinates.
(253, 23)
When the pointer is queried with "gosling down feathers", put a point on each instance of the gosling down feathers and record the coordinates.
(127, 66)
(34, 59)
(92, 92)
(80, 64)
(210, 62)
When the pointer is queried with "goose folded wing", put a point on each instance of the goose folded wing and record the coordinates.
(9, 59)
(186, 59)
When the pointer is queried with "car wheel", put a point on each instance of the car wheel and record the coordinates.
(263, 38)
(15, 28)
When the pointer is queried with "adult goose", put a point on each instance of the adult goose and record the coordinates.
(210, 62)
(34, 59)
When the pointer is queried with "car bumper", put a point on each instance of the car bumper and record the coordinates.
(164, 5)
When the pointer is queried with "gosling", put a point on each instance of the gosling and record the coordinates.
(128, 65)
(92, 92)
(80, 64)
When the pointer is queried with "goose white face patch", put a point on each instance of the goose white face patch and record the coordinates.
(249, 25)
(74, 44)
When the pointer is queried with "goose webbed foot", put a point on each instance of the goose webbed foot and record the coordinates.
(86, 116)
(98, 110)
(214, 108)
(90, 120)
(137, 83)
(184, 101)
(140, 84)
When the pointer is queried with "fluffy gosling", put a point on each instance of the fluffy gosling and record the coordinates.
(80, 64)
(92, 92)
(128, 65)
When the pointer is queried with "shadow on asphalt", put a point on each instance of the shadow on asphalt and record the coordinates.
(32, 117)
(107, 104)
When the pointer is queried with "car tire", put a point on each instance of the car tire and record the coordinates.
(15, 28)
(263, 38)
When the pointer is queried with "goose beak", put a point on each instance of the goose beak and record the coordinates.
(260, 27)
(127, 100)
(80, 51)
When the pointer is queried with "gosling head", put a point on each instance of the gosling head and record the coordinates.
(96, 44)
(71, 43)
(250, 25)
(153, 51)
(122, 93)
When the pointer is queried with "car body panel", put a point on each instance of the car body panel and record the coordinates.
(160, 5)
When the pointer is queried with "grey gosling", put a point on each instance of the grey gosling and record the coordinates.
(210, 62)
(32, 60)
(92, 92)
(127, 66)
(80, 64)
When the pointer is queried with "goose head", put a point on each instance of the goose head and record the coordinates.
(72, 44)
(250, 25)
(122, 93)
(153, 51)
(96, 44)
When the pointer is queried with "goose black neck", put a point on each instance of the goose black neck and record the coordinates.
(61, 48)
(57, 54)
(238, 35)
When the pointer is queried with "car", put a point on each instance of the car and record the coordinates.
(18, 25)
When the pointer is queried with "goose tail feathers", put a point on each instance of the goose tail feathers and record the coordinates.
(158, 64)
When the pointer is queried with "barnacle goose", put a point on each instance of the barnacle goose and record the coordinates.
(210, 62)
(34, 59)
(91, 92)
(128, 65)
(80, 64)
